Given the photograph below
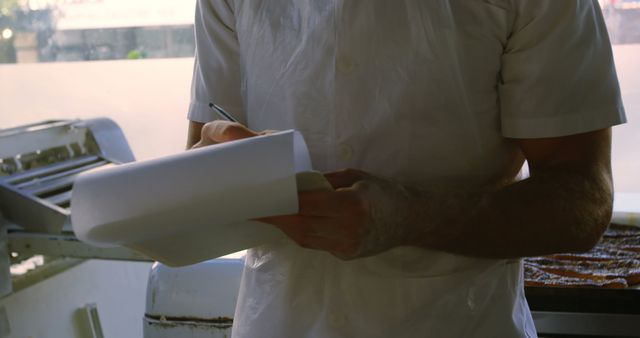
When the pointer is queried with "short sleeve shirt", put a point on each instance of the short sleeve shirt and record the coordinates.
(424, 92)
(434, 87)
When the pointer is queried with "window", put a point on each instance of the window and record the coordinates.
(130, 60)
(623, 22)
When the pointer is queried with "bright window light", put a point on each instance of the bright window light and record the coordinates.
(7, 33)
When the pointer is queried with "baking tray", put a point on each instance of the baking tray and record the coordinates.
(593, 300)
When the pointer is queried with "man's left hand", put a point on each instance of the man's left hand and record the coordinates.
(356, 220)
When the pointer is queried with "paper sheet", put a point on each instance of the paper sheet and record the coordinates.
(192, 206)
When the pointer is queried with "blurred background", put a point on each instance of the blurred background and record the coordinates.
(131, 61)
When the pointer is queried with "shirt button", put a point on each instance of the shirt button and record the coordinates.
(345, 65)
(345, 152)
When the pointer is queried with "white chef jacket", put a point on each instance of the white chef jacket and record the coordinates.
(419, 91)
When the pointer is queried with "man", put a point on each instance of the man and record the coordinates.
(434, 105)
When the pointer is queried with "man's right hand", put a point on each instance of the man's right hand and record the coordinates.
(220, 131)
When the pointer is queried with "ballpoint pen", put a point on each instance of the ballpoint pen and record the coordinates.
(224, 114)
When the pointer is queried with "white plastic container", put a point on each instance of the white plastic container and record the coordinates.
(196, 301)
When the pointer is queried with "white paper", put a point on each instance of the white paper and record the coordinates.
(192, 206)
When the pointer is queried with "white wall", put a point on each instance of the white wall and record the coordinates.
(147, 98)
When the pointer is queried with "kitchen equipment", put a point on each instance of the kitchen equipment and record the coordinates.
(196, 301)
(38, 166)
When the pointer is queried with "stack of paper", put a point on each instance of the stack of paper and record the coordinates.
(196, 205)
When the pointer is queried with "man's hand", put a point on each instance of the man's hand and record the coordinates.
(219, 132)
(356, 220)
(222, 131)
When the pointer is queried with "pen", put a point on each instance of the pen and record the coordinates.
(225, 115)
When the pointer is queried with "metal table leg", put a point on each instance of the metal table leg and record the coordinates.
(5, 261)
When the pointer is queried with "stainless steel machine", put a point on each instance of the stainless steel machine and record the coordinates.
(38, 165)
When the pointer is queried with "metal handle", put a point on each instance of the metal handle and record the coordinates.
(93, 320)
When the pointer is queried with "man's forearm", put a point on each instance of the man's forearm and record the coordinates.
(565, 206)
(555, 211)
